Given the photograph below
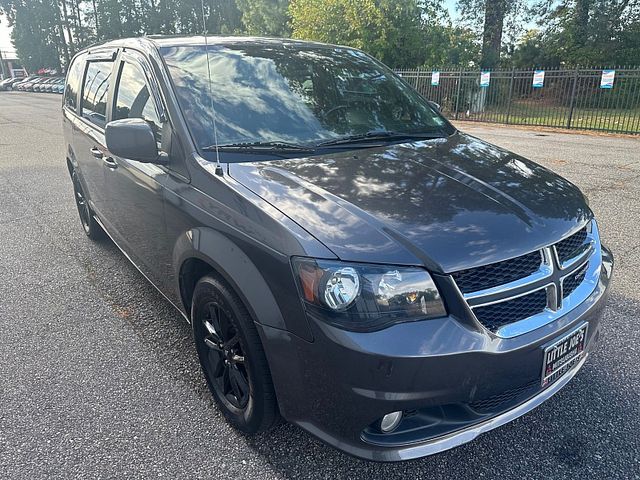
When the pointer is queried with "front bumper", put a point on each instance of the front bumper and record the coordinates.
(454, 382)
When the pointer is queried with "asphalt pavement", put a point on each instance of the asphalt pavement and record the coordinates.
(99, 377)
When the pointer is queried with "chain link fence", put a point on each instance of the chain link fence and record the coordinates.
(568, 98)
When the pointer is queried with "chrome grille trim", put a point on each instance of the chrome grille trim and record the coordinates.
(494, 275)
(583, 250)
(550, 276)
(544, 271)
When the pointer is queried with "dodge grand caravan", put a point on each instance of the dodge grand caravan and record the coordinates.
(348, 260)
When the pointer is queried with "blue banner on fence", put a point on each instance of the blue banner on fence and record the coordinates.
(607, 78)
(538, 79)
(435, 78)
(485, 79)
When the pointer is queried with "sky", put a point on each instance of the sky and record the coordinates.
(5, 39)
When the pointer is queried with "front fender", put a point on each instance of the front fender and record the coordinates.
(235, 266)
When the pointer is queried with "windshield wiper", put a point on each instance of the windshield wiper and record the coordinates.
(260, 147)
(377, 135)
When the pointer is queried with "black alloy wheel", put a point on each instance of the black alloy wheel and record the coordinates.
(89, 224)
(228, 369)
(232, 357)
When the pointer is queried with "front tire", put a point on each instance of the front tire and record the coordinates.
(92, 229)
(232, 357)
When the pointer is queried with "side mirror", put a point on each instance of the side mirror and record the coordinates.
(435, 105)
(133, 139)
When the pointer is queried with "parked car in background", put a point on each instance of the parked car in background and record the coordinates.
(20, 86)
(42, 85)
(28, 86)
(8, 83)
(49, 87)
(347, 258)
(36, 86)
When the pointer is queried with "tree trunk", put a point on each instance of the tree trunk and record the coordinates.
(76, 5)
(63, 41)
(494, 13)
(65, 18)
(581, 22)
(153, 18)
(95, 16)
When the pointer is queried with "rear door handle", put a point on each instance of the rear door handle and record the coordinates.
(96, 152)
(109, 162)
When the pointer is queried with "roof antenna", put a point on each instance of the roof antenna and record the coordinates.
(215, 128)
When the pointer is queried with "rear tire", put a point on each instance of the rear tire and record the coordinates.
(232, 357)
(91, 228)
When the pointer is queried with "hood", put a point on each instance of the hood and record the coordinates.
(449, 203)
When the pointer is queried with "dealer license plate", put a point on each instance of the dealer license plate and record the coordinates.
(563, 354)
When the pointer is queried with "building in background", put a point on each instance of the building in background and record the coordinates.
(10, 66)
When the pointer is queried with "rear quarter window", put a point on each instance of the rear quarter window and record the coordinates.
(95, 92)
(74, 77)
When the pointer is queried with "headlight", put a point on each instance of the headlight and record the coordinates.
(364, 297)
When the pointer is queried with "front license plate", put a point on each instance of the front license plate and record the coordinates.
(563, 354)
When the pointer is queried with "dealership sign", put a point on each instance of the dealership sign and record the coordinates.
(538, 79)
(485, 79)
(607, 78)
(435, 79)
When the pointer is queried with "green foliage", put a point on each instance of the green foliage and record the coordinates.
(265, 17)
(497, 22)
(35, 34)
(401, 33)
(582, 32)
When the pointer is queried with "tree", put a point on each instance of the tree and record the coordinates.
(265, 17)
(493, 15)
(37, 32)
(583, 32)
(401, 33)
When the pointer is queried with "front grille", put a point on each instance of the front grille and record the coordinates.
(518, 291)
(492, 275)
(505, 399)
(497, 315)
(573, 281)
(570, 246)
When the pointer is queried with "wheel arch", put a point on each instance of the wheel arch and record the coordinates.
(201, 251)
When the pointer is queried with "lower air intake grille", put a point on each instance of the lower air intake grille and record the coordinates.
(495, 274)
(505, 399)
(499, 314)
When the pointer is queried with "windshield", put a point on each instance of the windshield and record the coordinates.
(264, 92)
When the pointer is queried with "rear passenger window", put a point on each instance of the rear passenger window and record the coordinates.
(95, 92)
(133, 99)
(74, 77)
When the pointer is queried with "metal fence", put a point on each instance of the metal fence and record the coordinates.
(568, 98)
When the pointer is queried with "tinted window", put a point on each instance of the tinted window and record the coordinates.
(74, 77)
(270, 92)
(95, 92)
(133, 99)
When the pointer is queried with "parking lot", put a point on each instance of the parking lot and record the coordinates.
(99, 377)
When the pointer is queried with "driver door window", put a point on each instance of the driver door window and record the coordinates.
(134, 100)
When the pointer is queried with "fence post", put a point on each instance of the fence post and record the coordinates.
(513, 74)
(573, 96)
(458, 93)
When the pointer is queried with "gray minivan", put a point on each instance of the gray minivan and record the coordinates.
(348, 259)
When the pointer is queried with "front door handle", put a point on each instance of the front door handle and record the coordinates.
(96, 152)
(109, 162)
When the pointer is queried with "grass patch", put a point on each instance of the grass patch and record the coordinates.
(611, 120)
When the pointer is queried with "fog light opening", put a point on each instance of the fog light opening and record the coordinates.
(390, 421)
